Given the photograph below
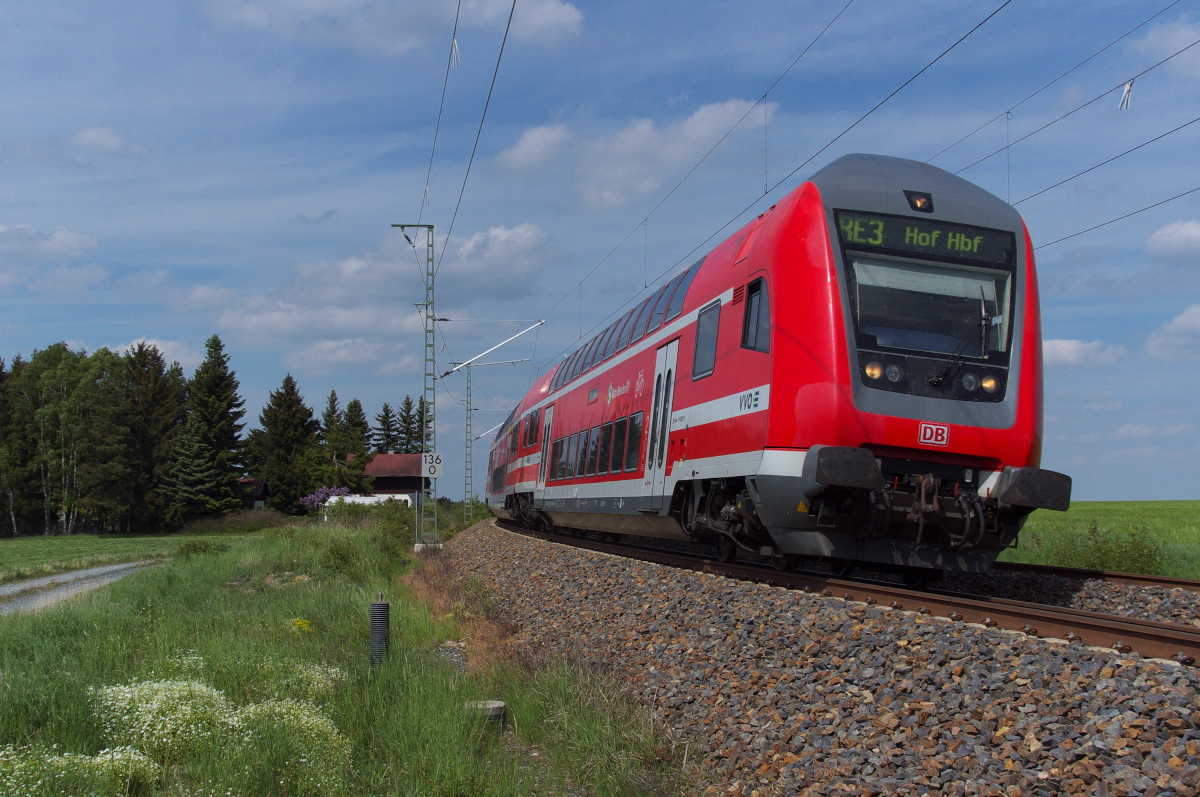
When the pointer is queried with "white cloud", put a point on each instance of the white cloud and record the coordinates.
(1070, 353)
(323, 356)
(635, 161)
(1179, 240)
(1142, 431)
(1178, 339)
(1163, 40)
(22, 242)
(102, 141)
(394, 28)
(172, 351)
(536, 146)
(68, 279)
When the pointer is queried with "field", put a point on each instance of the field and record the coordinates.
(1158, 537)
(30, 557)
(245, 671)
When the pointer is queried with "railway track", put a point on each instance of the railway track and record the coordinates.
(1149, 639)
(1111, 576)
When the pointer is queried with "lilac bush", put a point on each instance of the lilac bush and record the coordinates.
(323, 494)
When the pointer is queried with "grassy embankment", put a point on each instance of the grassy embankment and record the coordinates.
(245, 672)
(1157, 537)
(42, 555)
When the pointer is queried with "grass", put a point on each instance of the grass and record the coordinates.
(43, 555)
(1156, 537)
(245, 671)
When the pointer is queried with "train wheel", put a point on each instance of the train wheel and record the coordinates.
(726, 549)
(842, 568)
(783, 562)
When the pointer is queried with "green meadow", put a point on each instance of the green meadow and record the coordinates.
(1156, 537)
(244, 670)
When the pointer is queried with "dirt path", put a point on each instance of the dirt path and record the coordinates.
(38, 593)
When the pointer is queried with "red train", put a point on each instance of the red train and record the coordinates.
(856, 375)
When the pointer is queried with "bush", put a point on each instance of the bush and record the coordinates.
(165, 719)
(34, 770)
(1095, 548)
(202, 546)
(342, 555)
(246, 522)
(292, 748)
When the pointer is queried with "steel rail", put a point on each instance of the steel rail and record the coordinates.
(1110, 576)
(1149, 639)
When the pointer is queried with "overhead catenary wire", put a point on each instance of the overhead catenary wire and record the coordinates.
(478, 133)
(643, 223)
(441, 104)
(758, 199)
(1095, 99)
(1060, 77)
(1108, 161)
(1118, 218)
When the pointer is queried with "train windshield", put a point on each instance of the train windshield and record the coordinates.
(930, 307)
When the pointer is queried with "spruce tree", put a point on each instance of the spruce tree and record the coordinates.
(357, 430)
(195, 478)
(424, 427)
(213, 398)
(387, 432)
(152, 409)
(331, 418)
(408, 436)
(284, 450)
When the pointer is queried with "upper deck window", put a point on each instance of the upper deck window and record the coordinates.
(640, 329)
(676, 305)
(635, 319)
(618, 329)
(756, 323)
(660, 306)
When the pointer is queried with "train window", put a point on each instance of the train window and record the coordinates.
(660, 306)
(605, 447)
(555, 453)
(571, 451)
(516, 440)
(586, 361)
(634, 319)
(756, 324)
(581, 460)
(561, 473)
(578, 363)
(533, 427)
(665, 433)
(704, 360)
(565, 371)
(610, 348)
(633, 449)
(601, 342)
(593, 448)
(658, 385)
(558, 376)
(640, 329)
(676, 305)
(618, 444)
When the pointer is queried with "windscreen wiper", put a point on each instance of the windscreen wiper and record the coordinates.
(956, 356)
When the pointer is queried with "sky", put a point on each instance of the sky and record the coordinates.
(170, 170)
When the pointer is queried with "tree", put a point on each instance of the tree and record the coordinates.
(212, 396)
(284, 450)
(194, 479)
(387, 430)
(356, 428)
(153, 410)
(331, 418)
(8, 462)
(408, 435)
(424, 427)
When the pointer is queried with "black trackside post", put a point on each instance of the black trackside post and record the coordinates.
(380, 627)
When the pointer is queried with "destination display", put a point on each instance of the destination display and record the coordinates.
(923, 237)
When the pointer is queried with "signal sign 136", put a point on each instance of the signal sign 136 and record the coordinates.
(431, 465)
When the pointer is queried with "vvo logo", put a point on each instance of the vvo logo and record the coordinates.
(748, 401)
(933, 434)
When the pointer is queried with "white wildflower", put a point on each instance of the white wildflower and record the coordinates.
(165, 719)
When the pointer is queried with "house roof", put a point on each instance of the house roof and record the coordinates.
(395, 465)
(254, 487)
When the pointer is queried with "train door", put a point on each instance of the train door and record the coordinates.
(660, 426)
(547, 415)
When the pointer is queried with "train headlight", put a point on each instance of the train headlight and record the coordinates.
(970, 382)
(990, 384)
(894, 373)
(874, 370)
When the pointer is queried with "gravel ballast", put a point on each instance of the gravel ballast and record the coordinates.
(779, 692)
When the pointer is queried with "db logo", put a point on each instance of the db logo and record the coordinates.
(934, 434)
